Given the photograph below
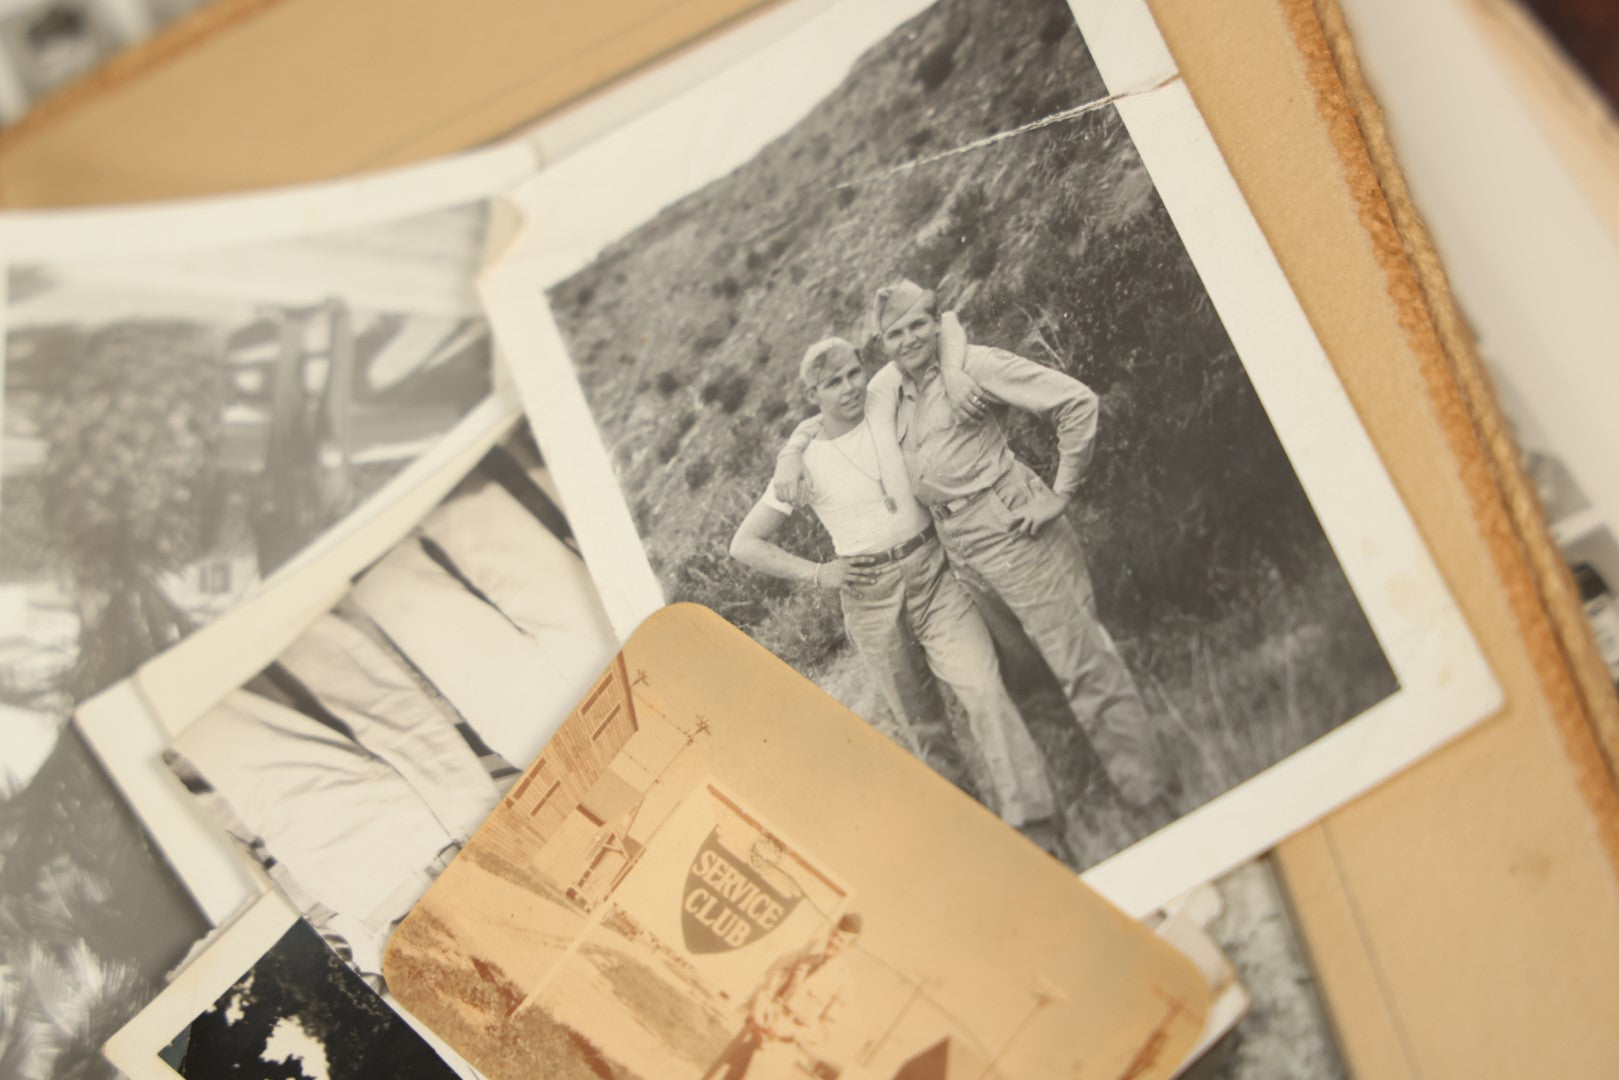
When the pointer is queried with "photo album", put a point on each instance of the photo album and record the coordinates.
(805, 566)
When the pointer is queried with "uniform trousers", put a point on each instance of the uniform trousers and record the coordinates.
(1045, 582)
(918, 601)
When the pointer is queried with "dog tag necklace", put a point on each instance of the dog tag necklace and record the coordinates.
(888, 500)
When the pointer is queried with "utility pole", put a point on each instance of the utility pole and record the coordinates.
(918, 986)
(1045, 994)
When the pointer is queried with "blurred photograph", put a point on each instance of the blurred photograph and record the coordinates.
(194, 397)
(262, 394)
(47, 44)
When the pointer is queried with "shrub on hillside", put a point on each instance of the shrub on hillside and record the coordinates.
(727, 389)
(937, 65)
(919, 195)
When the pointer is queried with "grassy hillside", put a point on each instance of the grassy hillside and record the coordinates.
(1052, 243)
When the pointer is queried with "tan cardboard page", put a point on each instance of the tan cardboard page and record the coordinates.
(252, 93)
(1507, 837)
(1460, 126)
(715, 866)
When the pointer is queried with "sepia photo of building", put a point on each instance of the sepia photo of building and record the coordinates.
(696, 879)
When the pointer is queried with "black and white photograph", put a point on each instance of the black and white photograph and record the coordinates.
(905, 355)
(1583, 534)
(271, 999)
(299, 1013)
(47, 44)
(355, 765)
(194, 396)
(261, 395)
(91, 918)
(1285, 1030)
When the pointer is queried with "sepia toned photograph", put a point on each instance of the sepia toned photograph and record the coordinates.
(922, 385)
(696, 879)
(355, 766)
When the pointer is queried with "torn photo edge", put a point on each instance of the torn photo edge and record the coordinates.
(1445, 685)
(137, 1047)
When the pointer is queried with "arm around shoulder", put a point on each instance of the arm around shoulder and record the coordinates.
(804, 434)
(790, 482)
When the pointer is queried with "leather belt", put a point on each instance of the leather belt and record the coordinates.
(956, 506)
(895, 553)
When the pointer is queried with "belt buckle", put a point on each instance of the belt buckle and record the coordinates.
(952, 507)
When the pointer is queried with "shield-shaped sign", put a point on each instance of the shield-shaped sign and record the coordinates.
(733, 899)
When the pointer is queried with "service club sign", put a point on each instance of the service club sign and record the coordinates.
(726, 903)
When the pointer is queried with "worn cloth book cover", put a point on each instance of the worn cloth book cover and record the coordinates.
(714, 869)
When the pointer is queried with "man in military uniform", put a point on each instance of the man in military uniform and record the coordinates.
(1005, 529)
(791, 1015)
(895, 587)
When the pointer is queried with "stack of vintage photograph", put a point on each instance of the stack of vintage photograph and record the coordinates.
(1052, 581)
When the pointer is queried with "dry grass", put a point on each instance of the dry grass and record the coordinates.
(691, 1031)
(1228, 697)
(469, 1004)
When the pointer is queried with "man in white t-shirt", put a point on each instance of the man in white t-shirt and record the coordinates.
(896, 589)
